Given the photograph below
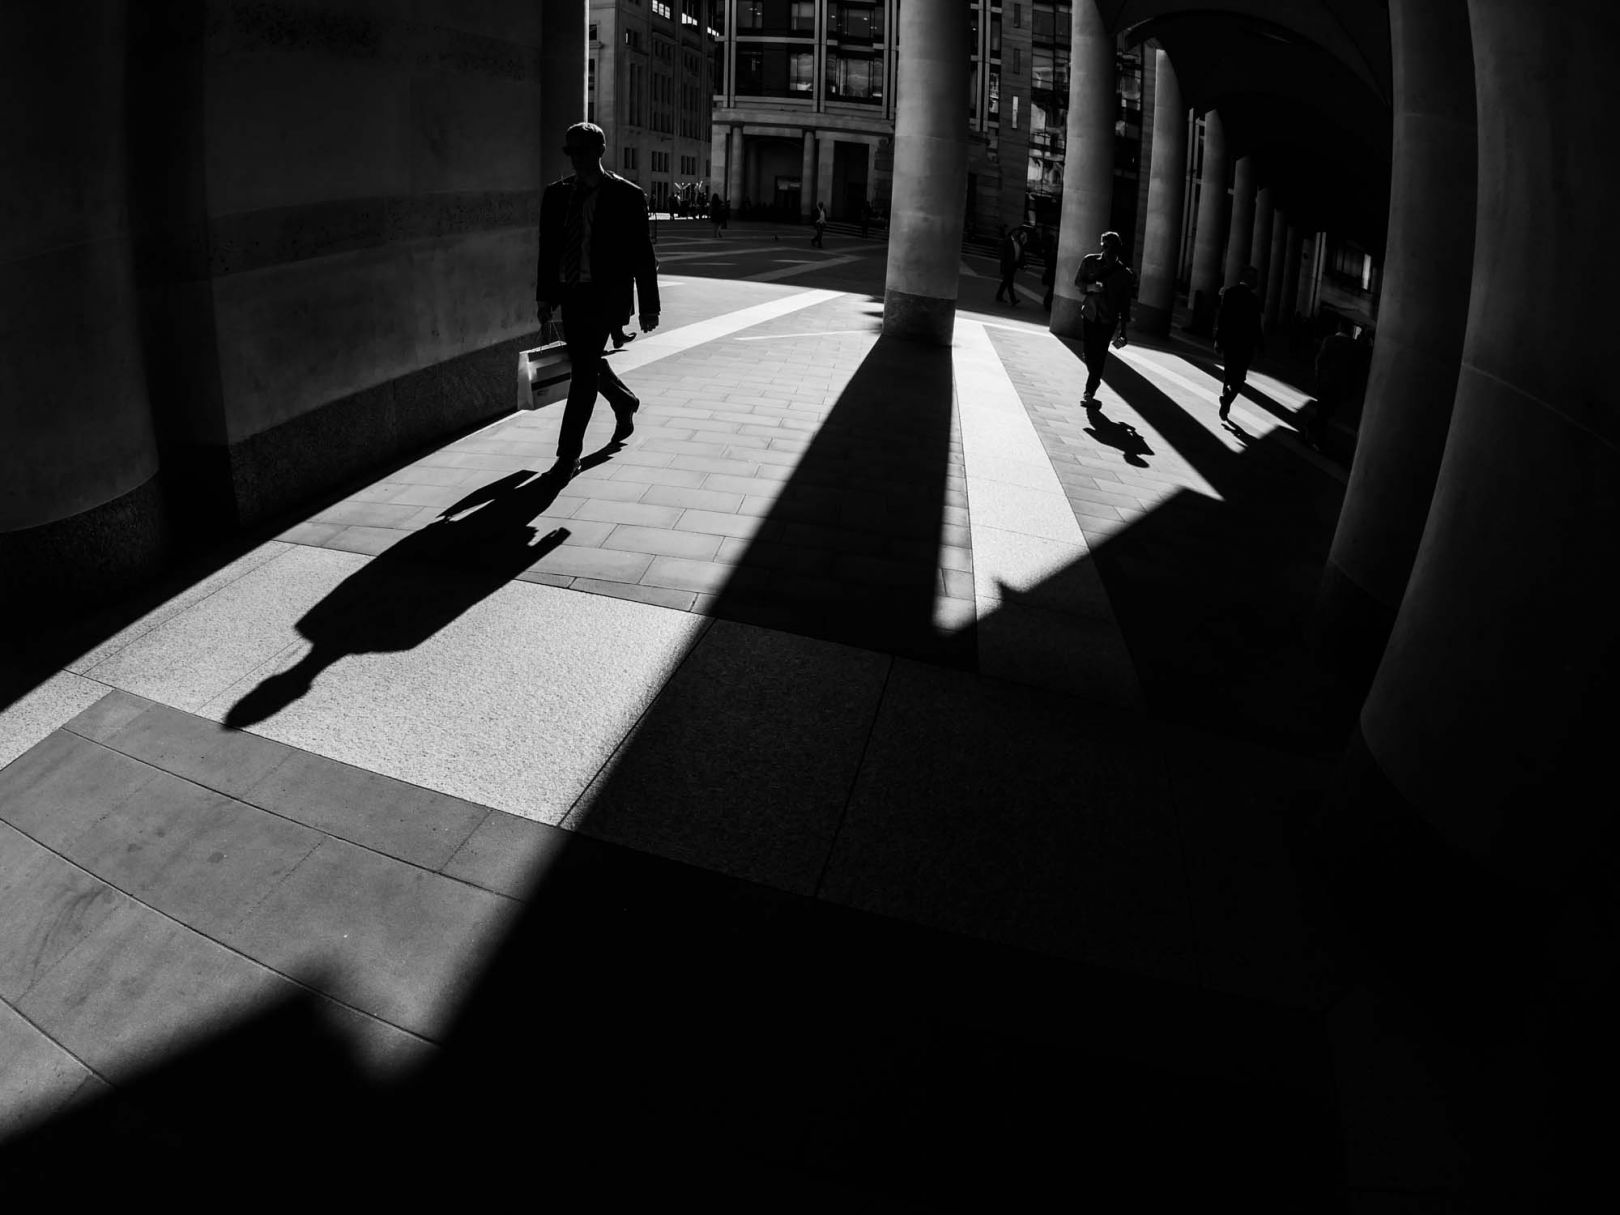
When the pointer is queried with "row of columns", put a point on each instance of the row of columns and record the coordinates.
(930, 161)
(1484, 412)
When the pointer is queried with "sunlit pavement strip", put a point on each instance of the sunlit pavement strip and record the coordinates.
(1043, 612)
(1256, 421)
(650, 347)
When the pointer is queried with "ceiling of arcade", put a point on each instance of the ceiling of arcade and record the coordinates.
(1301, 85)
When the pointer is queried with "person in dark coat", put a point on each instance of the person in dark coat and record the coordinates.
(1049, 247)
(1238, 334)
(1012, 257)
(594, 245)
(1105, 308)
(1335, 377)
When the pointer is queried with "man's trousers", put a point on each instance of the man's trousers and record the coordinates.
(1094, 338)
(588, 316)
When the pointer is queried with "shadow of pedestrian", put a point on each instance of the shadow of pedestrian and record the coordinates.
(410, 591)
(1121, 435)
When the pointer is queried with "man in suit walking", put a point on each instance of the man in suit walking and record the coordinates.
(1239, 333)
(594, 246)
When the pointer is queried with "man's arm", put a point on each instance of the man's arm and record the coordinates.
(644, 265)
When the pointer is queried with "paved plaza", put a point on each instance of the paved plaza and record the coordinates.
(874, 786)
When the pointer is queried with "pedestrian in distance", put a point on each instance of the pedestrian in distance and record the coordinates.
(1012, 258)
(1335, 373)
(594, 249)
(714, 214)
(1049, 247)
(1239, 334)
(866, 217)
(1105, 308)
(820, 221)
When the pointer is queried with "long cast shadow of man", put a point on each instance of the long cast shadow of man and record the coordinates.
(409, 592)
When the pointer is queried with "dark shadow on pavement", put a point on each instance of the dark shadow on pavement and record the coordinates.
(410, 591)
(1121, 435)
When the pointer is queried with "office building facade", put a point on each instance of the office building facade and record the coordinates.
(648, 87)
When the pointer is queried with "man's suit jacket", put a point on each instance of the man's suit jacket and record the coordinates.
(621, 249)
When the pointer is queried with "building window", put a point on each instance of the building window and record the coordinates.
(590, 90)
(856, 22)
(1018, 16)
(1018, 61)
(661, 9)
(796, 17)
(772, 69)
(853, 76)
(627, 157)
(591, 34)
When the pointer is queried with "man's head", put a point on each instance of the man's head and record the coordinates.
(583, 144)
(1111, 245)
(1249, 275)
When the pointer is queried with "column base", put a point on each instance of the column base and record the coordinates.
(73, 565)
(918, 318)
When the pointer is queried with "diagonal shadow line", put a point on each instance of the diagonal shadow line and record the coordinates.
(849, 549)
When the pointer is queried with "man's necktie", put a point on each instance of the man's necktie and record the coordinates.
(573, 235)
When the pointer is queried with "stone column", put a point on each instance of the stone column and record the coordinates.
(1318, 262)
(1161, 240)
(81, 507)
(1274, 277)
(1469, 812)
(1088, 164)
(734, 170)
(1491, 674)
(563, 55)
(1305, 289)
(807, 183)
(719, 139)
(1288, 288)
(1211, 227)
(824, 170)
(930, 173)
(1241, 229)
(1423, 312)
(1260, 239)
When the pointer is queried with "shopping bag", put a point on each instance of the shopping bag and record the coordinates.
(543, 372)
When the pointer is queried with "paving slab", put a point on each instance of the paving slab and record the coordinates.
(388, 938)
(195, 654)
(744, 763)
(64, 784)
(1030, 819)
(37, 1077)
(138, 986)
(56, 701)
(417, 825)
(513, 703)
(197, 856)
(47, 906)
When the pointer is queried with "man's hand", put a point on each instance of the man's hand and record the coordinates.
(649, 321)
(543, 310)
(1119, 340)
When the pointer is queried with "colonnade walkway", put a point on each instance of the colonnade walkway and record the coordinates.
(875, 783)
